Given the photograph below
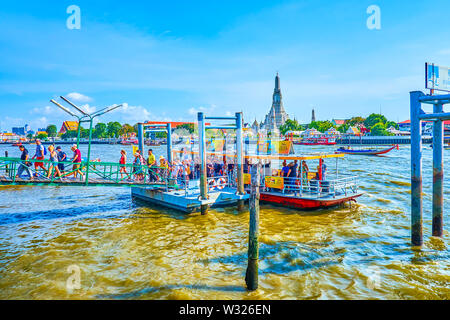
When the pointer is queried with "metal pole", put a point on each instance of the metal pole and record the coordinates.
(438, 174)
(251, 276)
(89, 152)
(202, 151)
(141, 137)
(240, 158)
(416, 170)
(78, 133)
(169, 143)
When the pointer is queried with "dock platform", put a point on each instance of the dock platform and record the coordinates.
(189, 201)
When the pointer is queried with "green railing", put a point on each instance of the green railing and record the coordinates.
(100, 173)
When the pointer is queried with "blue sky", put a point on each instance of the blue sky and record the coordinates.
(167, 60)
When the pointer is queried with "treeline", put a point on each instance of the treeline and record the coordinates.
(102, 131)
(377, 124)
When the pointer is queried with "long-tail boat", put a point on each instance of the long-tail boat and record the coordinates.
(366, 152)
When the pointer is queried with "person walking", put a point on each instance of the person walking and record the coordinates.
(76, 160)
(151, 162)
(53, 163)
(62, 156)
(39, 155)
(123, 161)
(24, 165)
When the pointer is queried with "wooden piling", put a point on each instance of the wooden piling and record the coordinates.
(251, 276)
(438, 174)
(7, 166)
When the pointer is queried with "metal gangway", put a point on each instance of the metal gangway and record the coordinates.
(100, 174)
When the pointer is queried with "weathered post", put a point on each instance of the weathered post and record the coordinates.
(251, 276)
(202, 151)
(141, 137)
(7, 166)
(438, 173)
(240, 159)
(416, 170)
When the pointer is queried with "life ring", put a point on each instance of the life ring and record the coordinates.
(221, 183)
(212, 185)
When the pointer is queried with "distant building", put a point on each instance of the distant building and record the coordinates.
(313, 117)
(9, 137)
(353, 130)
(277, 116)
(20, 131)
(338, 122)
(67, 126)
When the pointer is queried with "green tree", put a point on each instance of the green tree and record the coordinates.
(355, 120)
(379, 129)
(321, 126)
(126, 128)
(100, 130)
(42, 136)
(51, 130)
(392, 124)
(343, 128)
(188, 126)
(29, 136)
(290, 125)
(69, 134)
(113, 129)
(374, 119)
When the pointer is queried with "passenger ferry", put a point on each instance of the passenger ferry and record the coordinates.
(314, 188)
(324, 141)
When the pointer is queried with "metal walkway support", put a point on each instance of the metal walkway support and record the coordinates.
(417, 115)
(167, 128)
(202, 127)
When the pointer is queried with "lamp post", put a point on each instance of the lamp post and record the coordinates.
(85, 117)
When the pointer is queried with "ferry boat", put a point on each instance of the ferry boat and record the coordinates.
(365, 151)
(324, 141)
(314, 189)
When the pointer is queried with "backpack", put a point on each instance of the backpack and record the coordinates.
(45, 150)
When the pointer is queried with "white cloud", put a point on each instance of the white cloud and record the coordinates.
(193, 111)
(78, 97)
(444, 52)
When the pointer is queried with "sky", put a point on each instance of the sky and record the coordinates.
(167, 60)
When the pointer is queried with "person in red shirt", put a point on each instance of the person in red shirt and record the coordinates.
(123, 160)
(76, 162)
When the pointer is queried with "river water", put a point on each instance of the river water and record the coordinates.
(120, 248)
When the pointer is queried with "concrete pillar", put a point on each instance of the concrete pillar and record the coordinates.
(141, 137)
(202, 153)
(169, 143)
(240, 158)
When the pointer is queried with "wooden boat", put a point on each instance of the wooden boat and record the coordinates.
(365, 152)
(317, 142)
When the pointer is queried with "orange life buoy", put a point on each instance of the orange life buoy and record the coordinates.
(221, 183)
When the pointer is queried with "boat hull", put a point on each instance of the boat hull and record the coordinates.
(365, 152)
(304, 203)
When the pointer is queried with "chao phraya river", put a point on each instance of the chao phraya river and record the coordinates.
(125, 249)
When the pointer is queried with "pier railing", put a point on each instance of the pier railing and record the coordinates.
(100, 173)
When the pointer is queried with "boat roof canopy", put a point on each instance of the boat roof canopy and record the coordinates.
(309, 156)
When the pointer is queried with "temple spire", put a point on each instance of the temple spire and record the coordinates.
(277, 83)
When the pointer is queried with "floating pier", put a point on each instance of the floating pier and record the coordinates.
(207, 192)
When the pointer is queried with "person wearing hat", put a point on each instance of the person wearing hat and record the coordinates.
(76, 162)
(62, 156)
